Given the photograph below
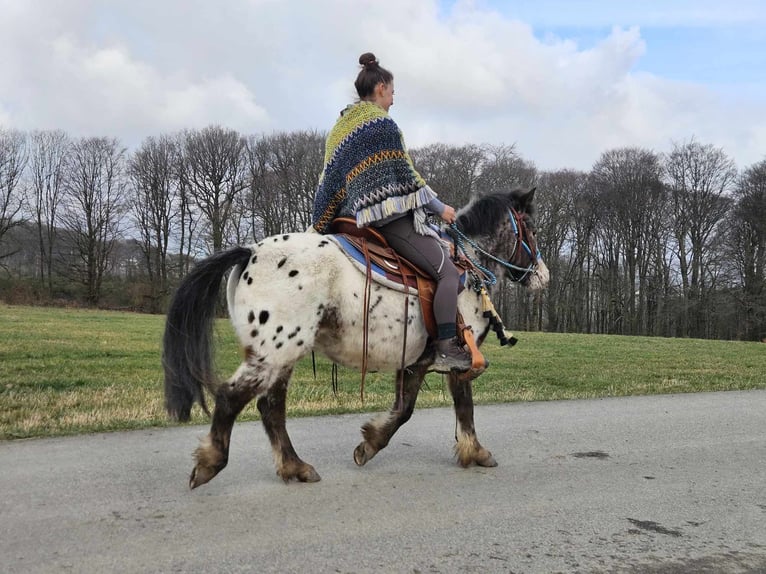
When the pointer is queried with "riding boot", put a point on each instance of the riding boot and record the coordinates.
(451, 356)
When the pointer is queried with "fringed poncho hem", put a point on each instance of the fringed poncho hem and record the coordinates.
(368, 174)
(392, 205)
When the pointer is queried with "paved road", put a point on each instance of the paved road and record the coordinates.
(673, 484)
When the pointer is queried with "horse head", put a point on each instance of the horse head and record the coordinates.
(500, 232)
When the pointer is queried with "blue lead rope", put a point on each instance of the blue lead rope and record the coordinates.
(461, 237)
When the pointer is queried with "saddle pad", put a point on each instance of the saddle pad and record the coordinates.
(379, 275)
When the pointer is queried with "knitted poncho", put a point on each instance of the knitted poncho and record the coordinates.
(368, 174)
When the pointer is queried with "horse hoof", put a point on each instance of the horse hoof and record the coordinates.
(361, 455)
(302, 473)
(309, 474)
(200, 476)
(487, 461)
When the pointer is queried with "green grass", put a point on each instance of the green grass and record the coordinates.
(67, 371)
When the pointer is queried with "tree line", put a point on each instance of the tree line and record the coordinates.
(645, 243)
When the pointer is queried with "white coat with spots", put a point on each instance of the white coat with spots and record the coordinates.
(294, 293)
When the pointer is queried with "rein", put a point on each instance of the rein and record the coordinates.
(461, 239)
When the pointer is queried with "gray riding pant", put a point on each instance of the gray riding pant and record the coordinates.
(431, 256)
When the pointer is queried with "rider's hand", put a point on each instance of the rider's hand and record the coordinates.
(448, 215)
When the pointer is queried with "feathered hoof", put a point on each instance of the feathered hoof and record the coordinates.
(201, 475)
(469, 452)
(302, 472)
(210, 461)
(363, 453)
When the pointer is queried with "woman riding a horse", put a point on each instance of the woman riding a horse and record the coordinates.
(368, 175)
(291, 294)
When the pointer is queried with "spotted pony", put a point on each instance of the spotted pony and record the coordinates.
(294, 293)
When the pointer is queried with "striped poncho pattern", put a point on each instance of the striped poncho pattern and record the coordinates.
(368, 174)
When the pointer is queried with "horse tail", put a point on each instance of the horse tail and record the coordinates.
(187, 355)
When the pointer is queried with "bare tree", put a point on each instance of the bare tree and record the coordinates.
(284, 174)
(451, 171)
(190, 218)
(214, 173)
(259, 211)
(13, 160)
(503, 168)
(48, 157)
(93, 208)
(154, 203)
(631, 193)
(657, 289)
(299, 157)
(747, 237)
(586, 217)
(699, 178)
(557, 219)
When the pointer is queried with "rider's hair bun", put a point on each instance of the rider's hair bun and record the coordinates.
(368, 60)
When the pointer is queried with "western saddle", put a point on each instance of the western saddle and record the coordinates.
(377, 252)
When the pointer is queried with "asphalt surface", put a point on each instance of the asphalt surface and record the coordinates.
(658, 485)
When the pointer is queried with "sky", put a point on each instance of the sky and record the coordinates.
(562, 81)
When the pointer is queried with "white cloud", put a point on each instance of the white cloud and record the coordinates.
(470, 74)
(223, 100)
(104, 91)
(657, 13)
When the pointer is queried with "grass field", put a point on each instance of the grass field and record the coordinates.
(67, 371)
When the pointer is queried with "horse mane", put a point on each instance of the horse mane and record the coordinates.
(487, 212)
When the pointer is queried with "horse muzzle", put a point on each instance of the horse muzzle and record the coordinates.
(539, 278)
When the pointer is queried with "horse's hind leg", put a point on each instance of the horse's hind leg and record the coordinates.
(468, 449)
(272, 408)
(212, 455)
(378, 432)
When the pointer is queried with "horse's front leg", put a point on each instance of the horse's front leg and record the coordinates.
(378, 432)
(272, 407)
(468, 449)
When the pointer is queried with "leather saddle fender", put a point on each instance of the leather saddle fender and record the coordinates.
(376, 249)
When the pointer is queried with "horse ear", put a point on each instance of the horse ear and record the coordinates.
(525, 198)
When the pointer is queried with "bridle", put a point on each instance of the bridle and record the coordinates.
(523, 240)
